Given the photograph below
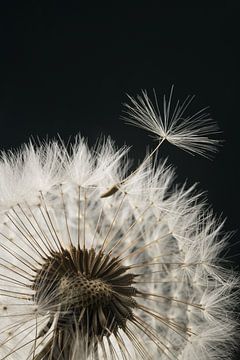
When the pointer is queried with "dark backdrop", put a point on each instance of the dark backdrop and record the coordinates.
(66, 68)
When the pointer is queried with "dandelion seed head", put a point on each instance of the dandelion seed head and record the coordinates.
(97, 262)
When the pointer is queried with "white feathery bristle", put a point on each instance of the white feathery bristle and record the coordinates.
(172, 123)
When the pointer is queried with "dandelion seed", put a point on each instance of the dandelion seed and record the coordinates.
(189, 132)
(98, 264)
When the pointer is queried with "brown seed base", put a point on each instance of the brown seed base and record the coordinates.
(87, 293)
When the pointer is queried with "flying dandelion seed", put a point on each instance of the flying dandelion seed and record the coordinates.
(99, 264)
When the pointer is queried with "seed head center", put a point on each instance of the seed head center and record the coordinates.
(79, 291)
(88, 289)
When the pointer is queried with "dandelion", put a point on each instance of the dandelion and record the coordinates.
(97, 263)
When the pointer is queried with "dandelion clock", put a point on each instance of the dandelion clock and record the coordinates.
(100, 262)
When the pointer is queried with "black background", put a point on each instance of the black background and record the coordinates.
(66, 68)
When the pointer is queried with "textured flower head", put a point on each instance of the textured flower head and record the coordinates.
(97, 263)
